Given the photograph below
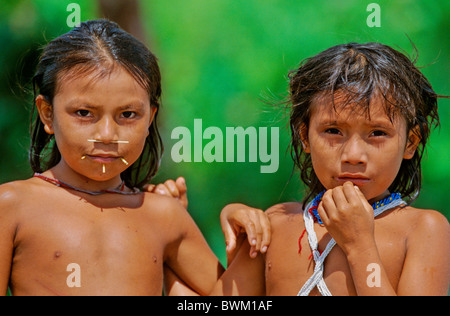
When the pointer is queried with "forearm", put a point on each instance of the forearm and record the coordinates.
(6, 258)
(173, 286)
(368, 273)
(244, 276)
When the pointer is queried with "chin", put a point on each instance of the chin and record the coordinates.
(373, 197)
(98, 176)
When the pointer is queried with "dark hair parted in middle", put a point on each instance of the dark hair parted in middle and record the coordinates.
(97, 47)
(361, 72)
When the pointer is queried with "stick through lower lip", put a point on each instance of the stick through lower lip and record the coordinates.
(113, 141)
(104, 168)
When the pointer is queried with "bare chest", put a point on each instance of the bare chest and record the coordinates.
(289, 262)
(79, 248)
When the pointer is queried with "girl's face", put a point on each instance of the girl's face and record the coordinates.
(105, 109)
(347, 146)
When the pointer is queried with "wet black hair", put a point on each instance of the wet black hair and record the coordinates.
(96, 46)
(361, 72)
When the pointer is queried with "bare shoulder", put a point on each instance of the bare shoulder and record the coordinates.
(173, 220)
(162, 202)
(426, 222)
(164, 206)
(284, 209)
(282, 212)
(16, 193)
(14, 197)
(424, 217)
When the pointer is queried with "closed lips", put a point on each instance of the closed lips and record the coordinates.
(353, 178)
(103, 158)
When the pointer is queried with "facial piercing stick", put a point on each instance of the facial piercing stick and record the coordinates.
(113, 141)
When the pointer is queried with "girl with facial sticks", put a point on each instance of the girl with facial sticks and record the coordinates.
(95, 144)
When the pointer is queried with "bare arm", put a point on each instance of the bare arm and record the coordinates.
(426, 270)
(244, 277)
(191, 267)
(238, 220)
(235, 218)
(7, 231)
(247, 274)
(173, 286)
(189, 255)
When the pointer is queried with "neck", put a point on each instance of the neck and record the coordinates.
(383, 200)
(380, 197)
(64, 173)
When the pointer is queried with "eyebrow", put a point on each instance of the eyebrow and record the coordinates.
(385, 125)
(132, 105)
(78, 101)
(371, 123)
(129, 105)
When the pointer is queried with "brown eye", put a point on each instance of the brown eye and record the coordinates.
(378, 133)
(128, 114)
(332, 131)
(83, 113)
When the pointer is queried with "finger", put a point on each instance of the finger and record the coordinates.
(323, 214)
(267, 231)
(253, 252)
(255, 218)
(364, 201)
(339, 198)
(181, 185)
(242, 222)
(326, 207)
(182, 189)
(162, 190)
(231, 255)
(229, 234)
(250, 229)
(251, 226)
(264, 231)
(351, 193)
(149, 187)
(360, 194)
(172, 187)
(355, 197)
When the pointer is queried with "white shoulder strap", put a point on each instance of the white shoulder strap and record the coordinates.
(317, 277)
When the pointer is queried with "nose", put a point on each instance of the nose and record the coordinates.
(106, 130)
(354, 151)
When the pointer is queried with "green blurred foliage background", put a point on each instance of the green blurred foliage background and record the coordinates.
(221, 61)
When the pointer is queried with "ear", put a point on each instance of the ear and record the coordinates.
(412, 142)
(153, 110)
(304, 138)
(45, 111)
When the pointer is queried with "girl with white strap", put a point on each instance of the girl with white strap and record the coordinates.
(309, 217)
